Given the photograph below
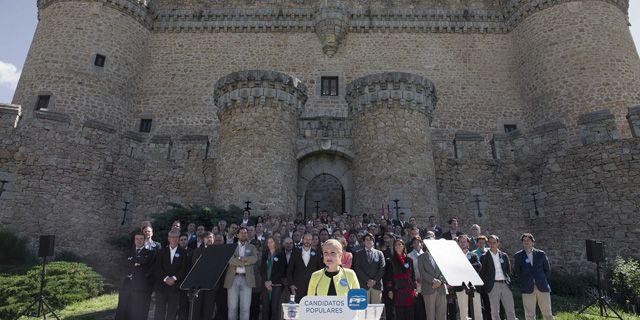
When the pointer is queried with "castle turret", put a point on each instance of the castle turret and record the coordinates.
(575, 57)
(258, 112)
(85, 60)
(392, 142)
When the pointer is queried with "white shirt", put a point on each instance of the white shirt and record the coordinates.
(497, 265)
(530, 256)
(149, 244)
(414, 256)
(241, 252)
(172, 253)
(306, 256)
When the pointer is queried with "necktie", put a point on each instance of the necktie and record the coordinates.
(369, 256)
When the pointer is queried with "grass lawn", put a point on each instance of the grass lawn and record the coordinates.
(98, 308)
(103, 307)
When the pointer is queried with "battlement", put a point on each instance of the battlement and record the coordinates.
(138, 9)
(332, 16)
(595, 127)
(135, 145)
(259, 88)
(404, 89)
(10, 115)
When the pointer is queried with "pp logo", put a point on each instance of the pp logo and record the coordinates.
(357, 299)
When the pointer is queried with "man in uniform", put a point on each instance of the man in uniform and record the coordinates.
(135, 291)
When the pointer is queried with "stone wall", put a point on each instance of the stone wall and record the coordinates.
(73, 179)
(562, 193)
(568, 63)
(392, 142)
(256, 156)
(60, 63)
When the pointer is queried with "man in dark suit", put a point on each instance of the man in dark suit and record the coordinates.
(149, 243)
(203, 306)
(453, 232)
(135, 291)
(495, 273)
(369, 265)
(532, 268)
(170, 270)
(400, 221)
(246, 219)
(184, 297)
(303, 263)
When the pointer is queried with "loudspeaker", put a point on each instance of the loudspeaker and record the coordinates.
(47, 244)
(595, 251)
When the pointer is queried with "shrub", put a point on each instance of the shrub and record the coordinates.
(625, 280)
(13, 249)
(566, 284)
(66, 282)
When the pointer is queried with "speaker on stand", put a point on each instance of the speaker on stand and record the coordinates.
(46, 248)
(595, 253)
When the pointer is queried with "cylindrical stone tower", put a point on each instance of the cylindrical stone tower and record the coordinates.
(392, 142)
(573, 58)
(258, 112)
(87, 56)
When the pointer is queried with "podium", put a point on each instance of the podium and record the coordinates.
(372, 312)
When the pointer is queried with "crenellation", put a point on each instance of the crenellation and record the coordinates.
(468, 145)
(633, 118)
(597, 126)
(10, 115)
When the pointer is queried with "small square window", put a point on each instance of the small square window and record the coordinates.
(329, 86)
(145, 125)
(100, 60)
(510, 128)
(43, 102)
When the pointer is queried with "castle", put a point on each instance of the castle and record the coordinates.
(517, 115)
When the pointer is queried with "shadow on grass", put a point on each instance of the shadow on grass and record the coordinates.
(100, 315)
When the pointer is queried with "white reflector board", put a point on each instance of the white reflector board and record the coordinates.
(453, 263)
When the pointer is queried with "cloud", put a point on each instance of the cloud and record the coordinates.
(9, 75)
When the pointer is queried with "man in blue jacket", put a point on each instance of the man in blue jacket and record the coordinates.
(532, 268)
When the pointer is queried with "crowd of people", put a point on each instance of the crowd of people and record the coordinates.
(278, 258)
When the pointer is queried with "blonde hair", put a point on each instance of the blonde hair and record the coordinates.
(333, 242)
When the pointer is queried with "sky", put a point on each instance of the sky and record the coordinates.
(18, 19)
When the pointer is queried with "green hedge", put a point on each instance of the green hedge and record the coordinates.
(13, 250)
(66, 283)
(207, 216)
(625, 280)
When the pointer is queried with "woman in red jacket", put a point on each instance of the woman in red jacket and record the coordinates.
(401, 281)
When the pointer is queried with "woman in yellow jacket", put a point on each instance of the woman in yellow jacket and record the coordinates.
(333, 280)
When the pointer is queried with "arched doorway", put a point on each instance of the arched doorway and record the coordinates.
(324, 192)
(324, 177)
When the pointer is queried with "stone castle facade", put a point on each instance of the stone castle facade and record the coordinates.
(515, 114)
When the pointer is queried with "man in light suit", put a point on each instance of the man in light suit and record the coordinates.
(495, 273)
(532, 268)
(434, 291)
(240, 277)
(368, 265)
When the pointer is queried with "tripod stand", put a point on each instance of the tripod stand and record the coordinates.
(602, 303)
(40, 300)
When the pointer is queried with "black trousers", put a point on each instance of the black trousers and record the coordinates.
(204, 305)
(222, 310)
(389, 306)
(167, 302)
(132, 304)
(486, 305)
(418, 308)
(271, 307)
(254, 310)
(403, 313)
(183, 306)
